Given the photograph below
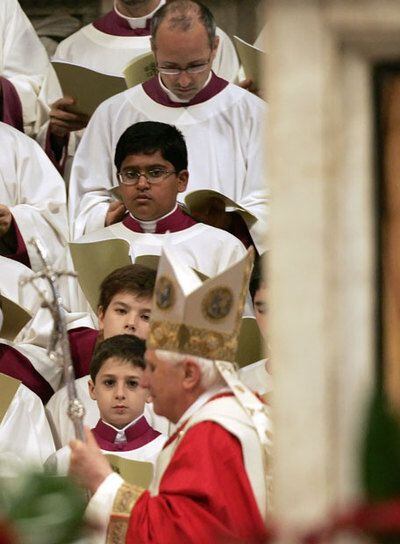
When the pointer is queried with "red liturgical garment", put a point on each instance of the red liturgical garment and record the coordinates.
(204, 495)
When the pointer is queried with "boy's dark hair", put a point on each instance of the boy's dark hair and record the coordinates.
(183, 12)
(149, 137)
(126, 347)
(257, 276)
(132, 278)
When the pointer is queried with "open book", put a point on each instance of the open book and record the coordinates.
(252, 60)
(134, 472)
(140, 69)
(8, 388)
(196, 200)
(89, 88)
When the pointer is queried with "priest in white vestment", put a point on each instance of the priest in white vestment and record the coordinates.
(222, 125)
(107, 45)
(32, 200)
(23, 66)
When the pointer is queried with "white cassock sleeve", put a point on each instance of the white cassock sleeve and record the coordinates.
(34, 192)
(23, 61)
(100, 505)
(25, 436)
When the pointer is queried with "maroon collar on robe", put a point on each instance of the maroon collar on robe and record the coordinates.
(137, 435)
(11, 108)
(154, 90)
(177, 221)
(181, 427)
(82, 342)
(115, 25)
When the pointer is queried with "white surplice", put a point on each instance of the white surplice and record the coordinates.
(25, 435)
(204, 248)
(224, 137)
(35, 193)
(23, 61)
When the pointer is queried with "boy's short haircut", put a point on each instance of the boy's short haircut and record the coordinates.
(125, 347)
(148, 137)
(136, 279)
(258, 276)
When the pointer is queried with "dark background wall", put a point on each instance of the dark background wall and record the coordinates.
(241, 17)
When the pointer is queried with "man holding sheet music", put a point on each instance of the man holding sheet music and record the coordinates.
(107, 45)
(222, 125)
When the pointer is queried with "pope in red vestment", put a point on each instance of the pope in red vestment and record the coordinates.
(211, 482)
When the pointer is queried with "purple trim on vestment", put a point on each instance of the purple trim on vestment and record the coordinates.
(175, 222)
(16, 365)
(239, 229)
(111, 23)
(11, 105)
(137, 435)
(82, 342)
(154, 90)
(21, 253)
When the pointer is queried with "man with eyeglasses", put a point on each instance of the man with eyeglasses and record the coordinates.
(107, 45)
(222, 125)
(151, 162)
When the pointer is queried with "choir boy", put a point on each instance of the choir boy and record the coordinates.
(116, 371)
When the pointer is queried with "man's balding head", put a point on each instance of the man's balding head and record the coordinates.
(183, 15)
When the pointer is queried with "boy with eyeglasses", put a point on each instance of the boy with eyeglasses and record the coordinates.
(151, 161)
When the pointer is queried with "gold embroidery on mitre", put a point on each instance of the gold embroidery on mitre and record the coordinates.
(164, 293)
(119, 520)
(192, 340)
(217, 303)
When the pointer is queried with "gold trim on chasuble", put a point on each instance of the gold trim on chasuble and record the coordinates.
(125, 500)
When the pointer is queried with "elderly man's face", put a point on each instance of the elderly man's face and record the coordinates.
(177, 49)
(164, 382)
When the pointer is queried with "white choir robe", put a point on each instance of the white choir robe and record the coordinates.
(24, 62)
(35, 193)
(62, 427)
(25, 435)
(204, 248)
(224, 137)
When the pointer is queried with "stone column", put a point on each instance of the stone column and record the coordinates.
(319, 152)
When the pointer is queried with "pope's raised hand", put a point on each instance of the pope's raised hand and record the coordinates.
(88, 466)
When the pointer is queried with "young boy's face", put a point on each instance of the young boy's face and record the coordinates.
(119, 396)
(126, 314)
(149, 201)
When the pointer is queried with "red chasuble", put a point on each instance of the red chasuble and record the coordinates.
(204, 495)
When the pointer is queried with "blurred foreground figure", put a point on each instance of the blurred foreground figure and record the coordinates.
(212, 478)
